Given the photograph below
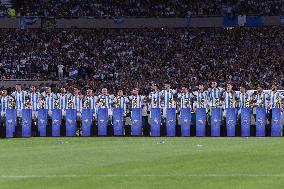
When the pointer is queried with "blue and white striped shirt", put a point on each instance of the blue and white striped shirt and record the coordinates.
(20, 99)
(274, 97)
(215, 95)
(155, 98)
(121, 102)
(77, 103)
(63, 99)
(4, 103)
(201, 96)
(136, 101)
(229, 99)
(105, 101)
(243, 97)
(169, 98)
(92, 102)
(185, 100)
(34, 99)
(50, 101)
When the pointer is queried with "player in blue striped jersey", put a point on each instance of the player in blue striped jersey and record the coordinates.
(168, 96)
(201, 98)
(34, 97)
(155, 97)
(75, 101)
(104, 100)
(120, 101)
(63, 97)
(51, 100)
(215, 95)
(19, 96)
(229, 97)
(89, 101)
(4, 102)
(244, 98)
(137, 101)
(260, 98)
(275, 98)
(185, 98)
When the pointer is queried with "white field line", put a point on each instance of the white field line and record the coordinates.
(138, 175)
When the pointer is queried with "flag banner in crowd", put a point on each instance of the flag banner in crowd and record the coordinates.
(87, 120)
(26, 123)
(155, 121)
(200, 121)
(253, 21)
(276, 122)
(27, 21)
(230, 21)
(118, 121)
(42, 122)
(242, 20)
(245, 121)
(102, 121)
(231, 121)
(216, 121)
(171, 122)
(71, 122)
(56, 122)
(260, 121)
(11, 117)
(118, 19)
(136, 121)
(185, 121)
(73, 72)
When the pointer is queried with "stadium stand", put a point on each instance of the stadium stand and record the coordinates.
(116, 57)
(147, 8)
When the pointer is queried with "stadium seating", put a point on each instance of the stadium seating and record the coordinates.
(126, 58)
(148, 8)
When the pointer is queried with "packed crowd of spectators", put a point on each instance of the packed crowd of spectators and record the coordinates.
(147, 8)
(127, 58)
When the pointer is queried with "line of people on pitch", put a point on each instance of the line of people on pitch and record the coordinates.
(164, 99)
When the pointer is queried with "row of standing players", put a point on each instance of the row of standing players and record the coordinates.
(167, 98)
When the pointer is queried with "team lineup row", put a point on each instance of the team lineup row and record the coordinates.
(166, 98)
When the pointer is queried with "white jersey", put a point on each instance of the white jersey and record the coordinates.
(89, 102)
(76, 103)
(215, 95)
(185, 100)
(229, 99)
(34, 100)
(201, 99)
(275, 99)
(63, 100)
(105, 101)
(4, 102)
(261, 100)
(169, 98)
(19, 98)
(120, 102)
(51, 101)
(155, 99)
(136, 101)
(244, 99)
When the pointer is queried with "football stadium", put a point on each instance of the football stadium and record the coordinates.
(141, 94)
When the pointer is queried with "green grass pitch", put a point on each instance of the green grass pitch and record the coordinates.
(139, 163)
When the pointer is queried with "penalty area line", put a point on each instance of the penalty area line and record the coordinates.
(137, 175)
